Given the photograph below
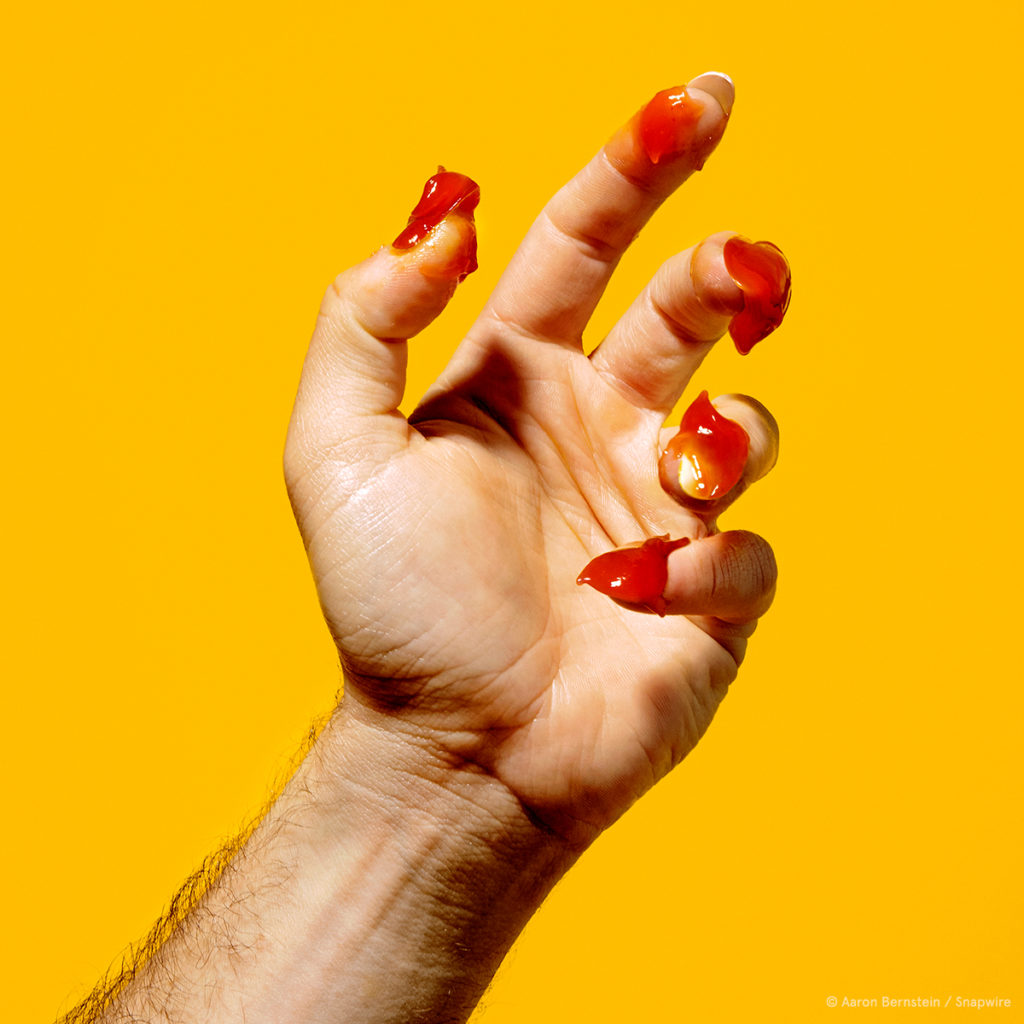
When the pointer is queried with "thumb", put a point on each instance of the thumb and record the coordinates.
(354, 374)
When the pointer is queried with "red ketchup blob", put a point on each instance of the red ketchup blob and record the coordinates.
(636, 575)
(445, 193)
(667, 123)
(705, 460)
(762, 273)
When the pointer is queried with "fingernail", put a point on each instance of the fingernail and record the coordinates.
(444, 194)
(706, 459)
(717, 84)
(763, 275)
(667, 123)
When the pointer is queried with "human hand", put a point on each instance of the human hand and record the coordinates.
(446, 547)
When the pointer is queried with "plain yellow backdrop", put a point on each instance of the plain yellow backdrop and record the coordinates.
(180, 183)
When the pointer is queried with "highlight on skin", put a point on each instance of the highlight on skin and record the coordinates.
(446, 193)
(667, 124)
(680, 125)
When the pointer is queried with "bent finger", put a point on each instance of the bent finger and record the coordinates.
(730, 576)
(709, 461)
(353, 378)
(650, 355)
(560, 270)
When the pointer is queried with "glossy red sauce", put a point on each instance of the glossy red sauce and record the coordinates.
(762, 273)
(705, 460)
(636, 575)
(667, 123)
(445, 193)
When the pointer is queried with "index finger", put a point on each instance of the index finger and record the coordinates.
(560, 270)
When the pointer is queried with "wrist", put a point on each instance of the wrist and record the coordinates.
(405, 786)
(450, 866)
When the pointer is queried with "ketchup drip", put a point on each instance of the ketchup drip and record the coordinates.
(705, 460)
(667, 123)
(445, 193)
(762, 273)
(637, 574)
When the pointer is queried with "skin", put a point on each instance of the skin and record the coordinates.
(496, 717)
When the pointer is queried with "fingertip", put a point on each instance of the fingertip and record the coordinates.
(731, 575)
(673, 134)
(447, 253)
(716, 456)
(748, 281)
(448, 202)
(715, 288)
(761, 427)
(762, 272)
(718, 85)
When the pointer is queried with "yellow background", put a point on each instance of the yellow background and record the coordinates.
(182, 180)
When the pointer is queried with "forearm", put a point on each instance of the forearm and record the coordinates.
(384, 885)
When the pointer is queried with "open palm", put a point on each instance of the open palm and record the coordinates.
(446, 547)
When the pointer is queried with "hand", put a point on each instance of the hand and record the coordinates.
(446, 547)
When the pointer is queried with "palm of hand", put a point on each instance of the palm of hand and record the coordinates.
(448, 574)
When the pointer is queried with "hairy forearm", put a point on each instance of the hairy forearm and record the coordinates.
(384, 885)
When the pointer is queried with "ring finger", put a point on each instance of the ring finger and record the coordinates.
(706, 468)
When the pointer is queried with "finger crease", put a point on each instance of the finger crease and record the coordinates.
(676, 326)
(525, 332)
(638, 183)
(591, 247)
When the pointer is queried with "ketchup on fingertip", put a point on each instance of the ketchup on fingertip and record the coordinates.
(761, 271)
(445, 193)
(636, 575)
(706, 459)
(667, 123)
